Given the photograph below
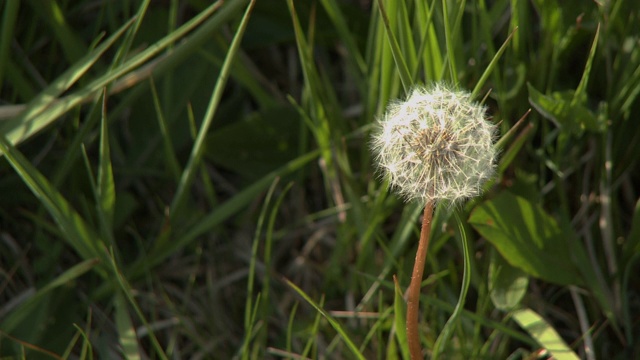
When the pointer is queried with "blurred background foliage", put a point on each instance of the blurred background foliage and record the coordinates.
(182, 179)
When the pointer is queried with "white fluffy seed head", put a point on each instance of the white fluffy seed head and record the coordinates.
(435, 146)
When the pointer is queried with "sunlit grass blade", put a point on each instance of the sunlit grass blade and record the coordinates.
(404, 36)
(29, 121)
(33, 119)
(505, 138)
(380, 76)
(335, 324)
(198, 147)
(131, 34)
(401, 65)
(544, 334)
(581, 91)
(429, 57)
(492, 65)
(448, 40)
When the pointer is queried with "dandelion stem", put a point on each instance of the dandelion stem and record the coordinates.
(413, 299)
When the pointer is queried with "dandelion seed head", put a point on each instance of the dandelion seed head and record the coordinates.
(437, 145)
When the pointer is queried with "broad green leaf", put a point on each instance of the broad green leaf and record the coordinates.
(507, 284)
(544, 334)
(527, 237)
(559, 107)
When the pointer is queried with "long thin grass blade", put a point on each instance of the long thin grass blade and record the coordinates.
(336, 325)
(198, 147)
(76, 231)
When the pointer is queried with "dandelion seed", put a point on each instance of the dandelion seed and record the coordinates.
(437, 145)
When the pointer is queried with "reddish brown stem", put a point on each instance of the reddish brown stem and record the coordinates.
(413, 298)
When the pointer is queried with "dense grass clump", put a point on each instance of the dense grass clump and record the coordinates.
(181, 179)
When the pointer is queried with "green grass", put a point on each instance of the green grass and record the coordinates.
(182, 179)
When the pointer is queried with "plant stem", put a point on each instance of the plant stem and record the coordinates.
(413, 299)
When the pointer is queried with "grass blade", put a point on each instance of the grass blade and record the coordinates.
(492, 65)
(16, 317)
(401, 65)
(221, 213)
(28, 122)
(447, 331)
(76, 231)
(9, 17)
(106, 190)
(581, 91)
(126, 332)
(336, 325)
(400, 315)
(198, 147)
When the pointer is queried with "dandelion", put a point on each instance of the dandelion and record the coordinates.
(436, 146)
